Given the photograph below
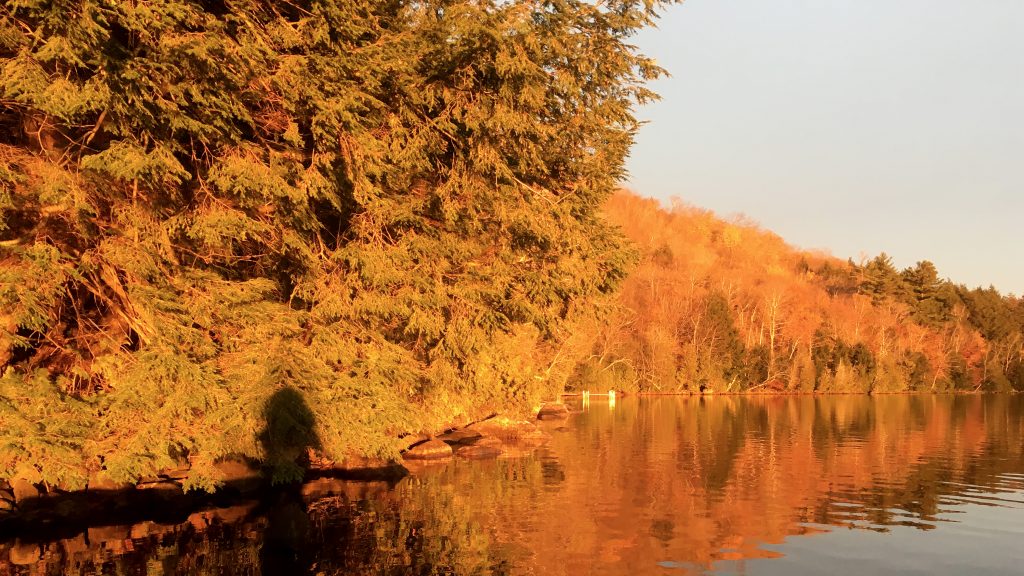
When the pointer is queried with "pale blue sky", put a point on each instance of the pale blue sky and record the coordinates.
(853, 126)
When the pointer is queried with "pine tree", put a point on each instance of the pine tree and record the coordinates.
(931, 299)
(882, 281)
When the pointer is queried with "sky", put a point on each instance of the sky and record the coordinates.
(850, 126)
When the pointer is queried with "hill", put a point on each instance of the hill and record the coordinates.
(724, 306)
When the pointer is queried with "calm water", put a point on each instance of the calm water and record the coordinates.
(668, 486)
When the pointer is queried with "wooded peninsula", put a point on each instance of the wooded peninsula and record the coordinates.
(227, 228)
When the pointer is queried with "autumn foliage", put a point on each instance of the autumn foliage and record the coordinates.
(723, 306)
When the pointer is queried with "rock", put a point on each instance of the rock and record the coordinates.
(179, 472)
(508, 430)
(362, 468)
(461, 436)
(23, 554)
(552, 411)
(424, 468)
(163, 488)
(534, 437)
(429, 450)
(414, 439)
(240, 475)
(24, 490)
(233, 470)
(484, 447)
(99, 480)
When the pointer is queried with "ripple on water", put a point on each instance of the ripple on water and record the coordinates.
(724, 485)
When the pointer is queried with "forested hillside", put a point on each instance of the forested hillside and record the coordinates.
(242, 229)
(723, 306)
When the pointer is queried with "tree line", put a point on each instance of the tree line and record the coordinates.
(722, 306)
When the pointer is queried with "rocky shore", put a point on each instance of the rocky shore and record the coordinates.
(27, 509)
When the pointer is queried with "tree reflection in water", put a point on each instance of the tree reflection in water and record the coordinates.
(678, 484)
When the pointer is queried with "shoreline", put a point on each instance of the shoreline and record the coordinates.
(70, 512)
(52, 511)
(621, 394)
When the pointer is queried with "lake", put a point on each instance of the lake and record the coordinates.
(651, 485)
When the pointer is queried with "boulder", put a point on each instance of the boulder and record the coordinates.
(162, 488)
(552, 411)
(240, 475)
(504, 429)
(179, 472)
(355, 467)
(234, 470)
(411, 440)
(24, 490)
(461, 436)
(534, 437)
(98, 480)
(483, 447)
(429, 450)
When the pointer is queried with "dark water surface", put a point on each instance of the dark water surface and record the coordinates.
(672, 486)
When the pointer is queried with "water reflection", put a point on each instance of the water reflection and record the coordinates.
(766, 485)
(285, 548)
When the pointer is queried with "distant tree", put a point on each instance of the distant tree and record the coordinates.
(839, 280)
(931, 299)
(993, 315)
(881, 280)
(958, 375)
(920, 372)
(727, 348)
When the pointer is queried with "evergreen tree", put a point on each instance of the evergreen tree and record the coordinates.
(375, 204)
(881, 280)
(931, 299)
